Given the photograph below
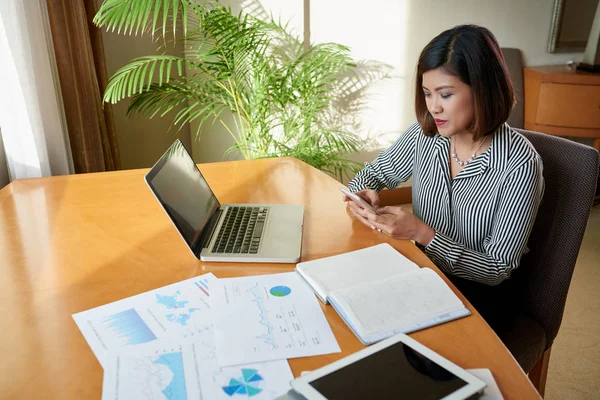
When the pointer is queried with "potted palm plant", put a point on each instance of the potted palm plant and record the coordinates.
(287, 98)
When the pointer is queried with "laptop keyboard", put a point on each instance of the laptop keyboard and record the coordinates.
(241, 230)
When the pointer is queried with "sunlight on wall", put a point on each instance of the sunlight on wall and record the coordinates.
(374, 35)
(287, 11)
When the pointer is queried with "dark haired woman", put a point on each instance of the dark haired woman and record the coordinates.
(477, 184)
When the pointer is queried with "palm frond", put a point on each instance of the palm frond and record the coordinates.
(142, 15)
(140, 73)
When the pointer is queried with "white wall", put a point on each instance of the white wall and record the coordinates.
(141, 141)
(3, 167)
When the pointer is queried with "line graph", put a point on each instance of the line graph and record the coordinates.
(268, 337)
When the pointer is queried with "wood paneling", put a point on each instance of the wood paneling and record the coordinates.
(562, 101)
(576, 106)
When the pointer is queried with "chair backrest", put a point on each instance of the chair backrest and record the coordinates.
(570, 175)
(514, 62)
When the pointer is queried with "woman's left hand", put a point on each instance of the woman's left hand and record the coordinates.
(395, 222)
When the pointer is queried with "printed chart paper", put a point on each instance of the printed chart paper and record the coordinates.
(168, 370)
(266, 380)
(155, 371)
(268, 317)
(177, 310)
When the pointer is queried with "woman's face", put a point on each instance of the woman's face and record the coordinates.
(449, 101)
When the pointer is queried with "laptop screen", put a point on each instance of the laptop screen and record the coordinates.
(183, 193)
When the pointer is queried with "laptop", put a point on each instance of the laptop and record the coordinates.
(222, 232)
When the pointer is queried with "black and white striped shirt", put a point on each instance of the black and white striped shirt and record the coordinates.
(483, 217)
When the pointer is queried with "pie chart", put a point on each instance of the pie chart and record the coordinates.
(246, 385)
(280, 291)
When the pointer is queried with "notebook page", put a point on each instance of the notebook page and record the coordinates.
(345, 270)
(402, 301)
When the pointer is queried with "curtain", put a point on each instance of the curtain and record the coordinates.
(82, 71)
(4, 180)
(31, 115)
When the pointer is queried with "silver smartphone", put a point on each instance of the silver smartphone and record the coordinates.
(358, 200)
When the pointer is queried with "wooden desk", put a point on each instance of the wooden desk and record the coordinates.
(68, 244)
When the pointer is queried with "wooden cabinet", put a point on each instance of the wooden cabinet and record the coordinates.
(562, 101)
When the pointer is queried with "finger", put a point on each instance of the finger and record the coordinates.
(352, 206)
(390, 210)
(364, 221)
(367, 214)
(358, 209)
(364, 194)
(379, 218)
(359, 212)
(380, 227)
(354, 209)
(374, 220)
(374, 199)
(371, 197)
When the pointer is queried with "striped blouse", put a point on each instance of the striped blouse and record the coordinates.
(483, 217)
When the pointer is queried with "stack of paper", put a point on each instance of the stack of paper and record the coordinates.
(205, 338)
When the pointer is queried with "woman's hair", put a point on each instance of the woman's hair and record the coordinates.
(472, 54)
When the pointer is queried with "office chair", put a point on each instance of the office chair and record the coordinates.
(514, 62)
(570, 175)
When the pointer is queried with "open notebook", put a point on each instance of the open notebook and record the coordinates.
(379, 292)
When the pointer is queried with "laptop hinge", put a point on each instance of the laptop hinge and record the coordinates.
(207, 234)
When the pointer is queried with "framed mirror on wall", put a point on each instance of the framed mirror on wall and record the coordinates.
(571, 25)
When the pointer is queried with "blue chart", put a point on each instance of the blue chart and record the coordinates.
(129, 327)
(246, 385)
(183, 318)
(280, 291)
(203, 285)
(181, 313)
(171, 302)
(175, 390)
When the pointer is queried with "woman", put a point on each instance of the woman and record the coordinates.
(477, 184)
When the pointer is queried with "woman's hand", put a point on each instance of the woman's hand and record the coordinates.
(395, 222)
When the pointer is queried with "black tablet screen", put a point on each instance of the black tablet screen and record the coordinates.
(396, 372)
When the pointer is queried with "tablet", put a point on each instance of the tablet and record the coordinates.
(396, 368)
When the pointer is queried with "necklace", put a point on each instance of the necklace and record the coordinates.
(470, 160)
